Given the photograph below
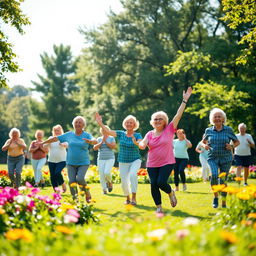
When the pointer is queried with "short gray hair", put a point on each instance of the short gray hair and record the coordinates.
(137, 123)
(78, 117)
(14, 130)
(161, 113)
(217, 110)
(242, 124)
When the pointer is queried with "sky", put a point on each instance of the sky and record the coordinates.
(53, 22)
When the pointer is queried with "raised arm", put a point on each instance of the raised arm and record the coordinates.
(181, 109)
(7, 145)
(98, 119)
(50, 140)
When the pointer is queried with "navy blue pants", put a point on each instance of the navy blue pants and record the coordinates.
(179, 170)
(55, 172)
(158, 179)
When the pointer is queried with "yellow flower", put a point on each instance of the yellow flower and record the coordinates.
(218, 188)
(64, 230)
(228, 237)
(243, 195)
(17, 233)
(238, 178)
(72, 185)
(2, 211)
(87, 187)
(230, 190)
(252, 215)
(223, 174)
(67, 206)
(81, 193)
(128, 207)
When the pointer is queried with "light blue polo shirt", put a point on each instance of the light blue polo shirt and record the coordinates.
(77, 152)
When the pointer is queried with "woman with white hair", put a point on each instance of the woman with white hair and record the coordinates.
(78, 160)
(161, 158)
(243, 152)
(57, 159)
(15, 147)
(129, 155)
(217, 140)
(38, 157)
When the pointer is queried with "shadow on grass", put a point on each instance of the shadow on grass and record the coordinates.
(115, 195)
(200, 193)
(179, 213)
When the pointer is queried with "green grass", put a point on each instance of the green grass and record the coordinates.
(196, 202)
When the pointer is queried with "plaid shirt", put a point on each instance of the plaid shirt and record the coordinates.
(217, 141)
(128, 151)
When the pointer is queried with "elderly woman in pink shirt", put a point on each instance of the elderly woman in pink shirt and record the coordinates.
(161, 158)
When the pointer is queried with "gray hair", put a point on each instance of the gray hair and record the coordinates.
(14, 130)
(78, 117)
(161, 113)
(217, 110)
(242, 124)
(137, 123)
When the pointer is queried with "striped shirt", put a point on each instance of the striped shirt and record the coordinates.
(104, 152)
(128, 151)
(217, 142)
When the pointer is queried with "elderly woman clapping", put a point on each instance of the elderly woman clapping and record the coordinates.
(15, 147)
(78, 159)
(217, 141)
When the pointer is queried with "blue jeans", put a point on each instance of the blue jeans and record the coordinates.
(158, 180)
(55, 171)
(37, 166)
(15, 164)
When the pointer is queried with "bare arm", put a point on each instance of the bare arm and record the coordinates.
(231, 146)
(6, 145)
(143, 143)
(98, 119)
(182, 107)
(251, 144)
(50, 140)
(33, 148)
(111, 145)
(92, 142)
(97, 146)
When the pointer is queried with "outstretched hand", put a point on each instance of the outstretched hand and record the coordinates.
(98, 118)
(187, 94)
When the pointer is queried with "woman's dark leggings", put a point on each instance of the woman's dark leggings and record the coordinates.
(55, 172)
(179, 168)
(158, 180)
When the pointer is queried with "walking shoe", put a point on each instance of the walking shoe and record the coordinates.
(104, 192)
(173, 199)
(215, 202)
(245, 184)
(184, 187)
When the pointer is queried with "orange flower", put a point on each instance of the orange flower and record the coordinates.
(243, 195)
(72, 185)
(230, 190)
(238, 178)
(252, 215)
(17, 233)
(246, 223)
(2, 211)
(64, 230)
(228, 237)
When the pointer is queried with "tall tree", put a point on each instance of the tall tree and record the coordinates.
(10, 14)
(59, 105)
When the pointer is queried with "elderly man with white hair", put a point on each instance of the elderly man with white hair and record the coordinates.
(78, 159)
(243, 152)
(217, 139)
(15, 147)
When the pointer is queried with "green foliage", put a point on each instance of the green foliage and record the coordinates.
(241, 17)
(211, 94)
(58, 105)
(10, 14)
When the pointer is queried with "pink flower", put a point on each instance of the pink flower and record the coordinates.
(182, 233)
(28, 185)
(73, 212)
(70, 219)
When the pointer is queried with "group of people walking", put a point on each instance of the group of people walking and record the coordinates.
(164, 154)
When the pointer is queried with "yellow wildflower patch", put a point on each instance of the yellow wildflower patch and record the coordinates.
(223, 174)
(252, 215)
(18, 233)
(228, 237)
(218, 188)
(72, 185)
(243, 195)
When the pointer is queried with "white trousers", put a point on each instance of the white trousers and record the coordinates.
(205, 167)
(105, 167)
(129, 177)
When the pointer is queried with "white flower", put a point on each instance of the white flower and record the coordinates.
(138, 240)
(22, 188)
(157, 234)
(190, 221)
(20, 199)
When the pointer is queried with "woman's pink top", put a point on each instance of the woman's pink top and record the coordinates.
(161, 147)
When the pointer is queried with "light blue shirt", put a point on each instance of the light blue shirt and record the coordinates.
(204, 153)
(104, 152)
(77, 152)
(180, 148)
